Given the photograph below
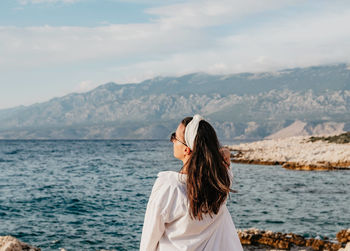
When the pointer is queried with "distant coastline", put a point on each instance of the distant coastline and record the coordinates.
(297, 153)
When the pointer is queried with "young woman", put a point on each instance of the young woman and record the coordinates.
(187, 210)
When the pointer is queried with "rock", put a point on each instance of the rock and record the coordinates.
(282, 241)
(347, 247)
(343, 236)
(343, 138)
(9, 243)
(316, 167)
(297, 239)
(315, 244)
(268, 238)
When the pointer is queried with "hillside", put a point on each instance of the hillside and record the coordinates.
(241, 106)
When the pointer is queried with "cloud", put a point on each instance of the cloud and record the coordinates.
(85, 86)
(35, 46)
(179, 41)
(202, 13)
(305, 41)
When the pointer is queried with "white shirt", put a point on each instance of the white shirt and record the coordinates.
(169, 227)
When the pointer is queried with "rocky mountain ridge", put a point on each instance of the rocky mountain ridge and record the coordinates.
(240, 106)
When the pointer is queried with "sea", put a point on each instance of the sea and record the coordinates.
(92, 194)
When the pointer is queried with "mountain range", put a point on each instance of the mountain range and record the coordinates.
(315, 100)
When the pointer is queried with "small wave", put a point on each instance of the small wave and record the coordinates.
(5, 160)
(13, 152)
(71, 190)
(274, 221)
(46, 187)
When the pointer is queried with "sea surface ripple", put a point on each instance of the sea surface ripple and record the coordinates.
(92, 195)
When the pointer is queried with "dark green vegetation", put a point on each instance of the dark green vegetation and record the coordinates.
(343, 138)
(240, 106)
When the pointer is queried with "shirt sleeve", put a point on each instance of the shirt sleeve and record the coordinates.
(154, 223)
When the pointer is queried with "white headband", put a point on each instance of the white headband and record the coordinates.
(191, 130)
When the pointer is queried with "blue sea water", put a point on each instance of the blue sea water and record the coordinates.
(92, 195)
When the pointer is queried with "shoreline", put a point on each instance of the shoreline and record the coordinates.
(295, 153)
(255, 239)
(251, 239)
(294, 165)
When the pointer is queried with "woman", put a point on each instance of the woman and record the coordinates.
(187, 210)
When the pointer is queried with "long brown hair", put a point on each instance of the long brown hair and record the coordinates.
(208, 181)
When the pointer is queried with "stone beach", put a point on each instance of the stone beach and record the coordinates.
(251, 239)
(297, 153)
(255, 239)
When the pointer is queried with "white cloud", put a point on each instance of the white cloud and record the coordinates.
(305, 41)
(201, 13)
(177, 41)
(35, 46)
(85, 86)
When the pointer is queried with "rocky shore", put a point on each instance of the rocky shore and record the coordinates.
(297, 153)
(251, 239)
(254, 239)
(9, 243)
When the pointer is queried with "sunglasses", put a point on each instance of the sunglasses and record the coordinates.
(173, 137)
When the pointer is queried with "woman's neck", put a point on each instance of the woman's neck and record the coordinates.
(184, 167)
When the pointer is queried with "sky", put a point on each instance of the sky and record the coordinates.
(50, 48)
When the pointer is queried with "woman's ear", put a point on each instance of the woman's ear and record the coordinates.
(188, 151)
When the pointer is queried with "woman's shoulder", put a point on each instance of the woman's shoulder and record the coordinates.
(168, 185)
(169, 175)
(171, 178)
